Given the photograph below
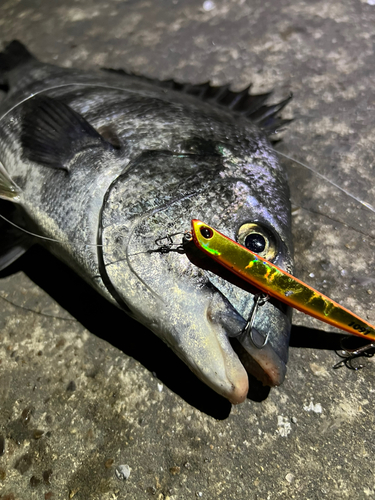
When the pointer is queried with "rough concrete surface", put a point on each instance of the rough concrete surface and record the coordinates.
(85, 391)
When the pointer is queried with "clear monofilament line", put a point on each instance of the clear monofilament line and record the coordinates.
(326, 179)
(39, 235)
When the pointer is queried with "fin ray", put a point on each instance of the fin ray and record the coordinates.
(53, 133)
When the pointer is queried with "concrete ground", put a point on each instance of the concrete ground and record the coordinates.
(82, 403)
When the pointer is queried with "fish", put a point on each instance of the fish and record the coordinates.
(106, 170)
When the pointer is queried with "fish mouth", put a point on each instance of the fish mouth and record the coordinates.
(180, 301)
(263, 350)
(267, 363)
(209, 337)
(203, 327)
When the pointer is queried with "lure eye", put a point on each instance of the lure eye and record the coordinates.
(206, 232)
(257, 239)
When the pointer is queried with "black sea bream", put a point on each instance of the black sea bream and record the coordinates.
(105, 164)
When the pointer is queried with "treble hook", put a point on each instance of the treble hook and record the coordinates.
(259, 300)
(348, 355)
(165, 244)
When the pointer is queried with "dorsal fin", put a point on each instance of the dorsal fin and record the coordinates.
(53, 133)
(252, 106)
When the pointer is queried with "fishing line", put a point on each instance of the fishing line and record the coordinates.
(323, 177)
(92, 85)
(56, 87)
(43, 237)
(335, 220)
(36, 312)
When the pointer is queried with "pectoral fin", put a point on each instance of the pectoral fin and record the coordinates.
(53, 133)
(8, 188)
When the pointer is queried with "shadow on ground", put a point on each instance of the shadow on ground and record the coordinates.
(111, 324)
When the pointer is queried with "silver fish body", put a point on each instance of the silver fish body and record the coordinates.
(107, 164)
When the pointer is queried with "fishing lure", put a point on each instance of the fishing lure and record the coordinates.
(275, 282)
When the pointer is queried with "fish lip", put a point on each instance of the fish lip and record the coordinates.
(265, 364)
(234, 385)
(235, 392)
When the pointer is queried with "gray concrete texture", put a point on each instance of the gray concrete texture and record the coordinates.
(84, 390)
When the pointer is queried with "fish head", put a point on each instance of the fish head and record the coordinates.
(171, 288)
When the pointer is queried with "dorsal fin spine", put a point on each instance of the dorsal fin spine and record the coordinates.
(251, 106)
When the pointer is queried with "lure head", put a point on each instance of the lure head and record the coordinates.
(194, 309)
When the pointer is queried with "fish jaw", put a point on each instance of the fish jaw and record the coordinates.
(203, 346)
(264, 364)
(199, 325)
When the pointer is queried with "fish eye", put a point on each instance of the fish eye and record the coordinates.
(255, 242)
(257, 239)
